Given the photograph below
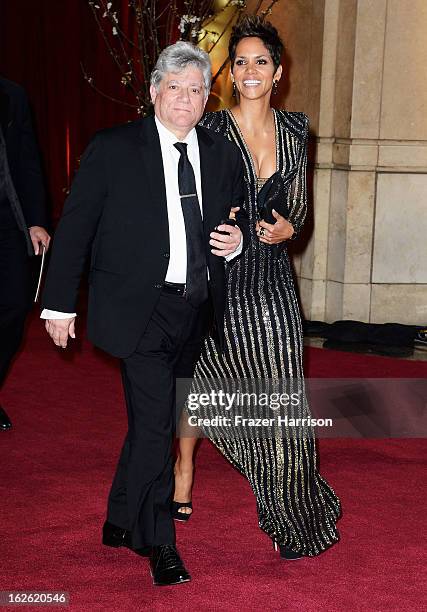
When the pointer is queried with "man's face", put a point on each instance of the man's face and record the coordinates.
(180, 100)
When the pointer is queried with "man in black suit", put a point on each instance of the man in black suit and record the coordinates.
(147, 200)
(22, 220)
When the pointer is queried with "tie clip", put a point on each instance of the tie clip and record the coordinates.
(188, 195)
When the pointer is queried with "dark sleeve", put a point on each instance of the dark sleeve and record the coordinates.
(216, 121)
(297, 198)
(238, 197)
(76, 230)
(30, 184)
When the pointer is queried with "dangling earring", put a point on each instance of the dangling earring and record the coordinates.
(234, 90)
(275, 87)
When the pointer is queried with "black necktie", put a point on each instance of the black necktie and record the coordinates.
(197, 283)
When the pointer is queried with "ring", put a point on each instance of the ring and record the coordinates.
(262, 231)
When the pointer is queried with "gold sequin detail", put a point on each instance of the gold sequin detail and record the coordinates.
(263, 339)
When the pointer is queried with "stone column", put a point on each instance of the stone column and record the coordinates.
(367, 255)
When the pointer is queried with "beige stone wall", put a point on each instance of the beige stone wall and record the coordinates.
(357, 67)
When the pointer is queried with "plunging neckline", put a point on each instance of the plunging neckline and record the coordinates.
(245, 145)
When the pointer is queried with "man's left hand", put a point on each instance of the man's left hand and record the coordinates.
(39, 237)
(225, 244)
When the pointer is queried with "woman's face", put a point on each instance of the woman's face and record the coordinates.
(253, 70)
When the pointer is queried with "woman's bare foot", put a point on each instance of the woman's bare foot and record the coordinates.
(183, 484)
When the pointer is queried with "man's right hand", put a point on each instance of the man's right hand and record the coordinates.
(60, 329)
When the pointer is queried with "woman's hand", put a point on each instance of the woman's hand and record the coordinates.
(273, 233)
(233, 211)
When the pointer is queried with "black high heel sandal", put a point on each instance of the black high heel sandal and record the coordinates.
(287, 554)
(183, 517)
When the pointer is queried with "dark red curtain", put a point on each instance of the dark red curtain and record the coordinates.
(41, 46)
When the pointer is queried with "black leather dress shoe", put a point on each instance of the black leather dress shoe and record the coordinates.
(5, 422)
(167, 567)
(116, 537)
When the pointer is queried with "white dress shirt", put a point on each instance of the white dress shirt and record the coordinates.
(177, 269)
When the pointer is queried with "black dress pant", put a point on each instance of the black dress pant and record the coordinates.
(15, 294)
(141, 493)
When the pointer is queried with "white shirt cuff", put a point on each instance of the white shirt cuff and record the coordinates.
(236, 252)
(54, 314)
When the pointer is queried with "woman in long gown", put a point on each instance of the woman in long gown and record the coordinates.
(263, 335)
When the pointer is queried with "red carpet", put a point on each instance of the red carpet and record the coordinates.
(56, 467)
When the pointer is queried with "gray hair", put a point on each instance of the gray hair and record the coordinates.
(177, 57)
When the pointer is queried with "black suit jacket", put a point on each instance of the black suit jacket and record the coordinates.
(117, 208)
(29, 197)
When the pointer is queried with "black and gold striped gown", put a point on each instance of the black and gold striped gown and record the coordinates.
(263, 340)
